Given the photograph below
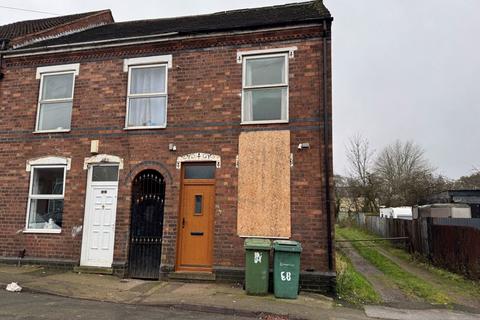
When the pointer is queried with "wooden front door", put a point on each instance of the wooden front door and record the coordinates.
(197, 209)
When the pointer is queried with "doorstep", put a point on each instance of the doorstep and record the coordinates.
(191, 276)
(93, 270)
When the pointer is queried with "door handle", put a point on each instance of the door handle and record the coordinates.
(183, 222)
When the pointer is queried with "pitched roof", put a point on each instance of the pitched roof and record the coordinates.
(273, 16)
(22, 28)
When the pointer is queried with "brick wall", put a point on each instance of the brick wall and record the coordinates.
(203, 116)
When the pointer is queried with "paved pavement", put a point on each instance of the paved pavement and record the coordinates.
(201, 297)
(380, 312)
(35, 306)
(108, 297)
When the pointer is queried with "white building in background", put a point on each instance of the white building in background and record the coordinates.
(396, 212)
(443, 210)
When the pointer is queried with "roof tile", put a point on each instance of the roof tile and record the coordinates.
(21, 28)
(280, 15)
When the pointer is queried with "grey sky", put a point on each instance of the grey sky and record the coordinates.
(401, 69)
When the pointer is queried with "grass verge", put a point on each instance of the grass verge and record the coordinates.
(352, 287)
(409, 283)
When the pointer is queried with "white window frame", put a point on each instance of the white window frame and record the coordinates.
(40, 101)
(147, 95)
(51, 196)
(285, 85)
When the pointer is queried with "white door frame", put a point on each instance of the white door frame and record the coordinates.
(86, 220)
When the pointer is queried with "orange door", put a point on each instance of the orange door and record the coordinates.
(196, 218)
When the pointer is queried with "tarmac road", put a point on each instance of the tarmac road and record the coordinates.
(33, 306)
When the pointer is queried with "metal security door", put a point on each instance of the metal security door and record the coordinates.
(148, 197)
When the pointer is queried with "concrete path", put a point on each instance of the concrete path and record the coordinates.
(398, 306)
(460, 298)
(387, 290)
(201, 297)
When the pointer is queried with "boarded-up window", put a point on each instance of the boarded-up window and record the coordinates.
(264, 184)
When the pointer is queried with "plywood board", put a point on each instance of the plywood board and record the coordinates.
(264, 184)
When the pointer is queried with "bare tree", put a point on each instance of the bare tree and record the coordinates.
(360, 158)
(361, 180)
(400, 176)
(405, 174)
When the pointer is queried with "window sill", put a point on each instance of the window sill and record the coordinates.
(52, 131)
(42, 231)
(264, 122)
(145, 128)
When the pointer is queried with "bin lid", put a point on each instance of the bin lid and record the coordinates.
(287, 245)
(258, 244)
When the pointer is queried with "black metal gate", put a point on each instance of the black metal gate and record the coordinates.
(146, 229)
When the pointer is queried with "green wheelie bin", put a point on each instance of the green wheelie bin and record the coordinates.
(286, 268)
(257, 256)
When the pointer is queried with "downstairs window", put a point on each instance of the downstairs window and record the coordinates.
(45, 200)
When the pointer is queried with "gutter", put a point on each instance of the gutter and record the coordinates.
(127, 41)
(326, 141)
(100, 42)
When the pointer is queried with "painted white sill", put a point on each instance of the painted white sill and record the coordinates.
(145, 128)
(263, 122)
(51, 131)
(42, 231)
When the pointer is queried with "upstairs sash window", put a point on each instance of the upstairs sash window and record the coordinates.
(147, 97)
(265, 88)
(55, 101)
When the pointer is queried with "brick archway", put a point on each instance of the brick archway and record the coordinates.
(144, 165)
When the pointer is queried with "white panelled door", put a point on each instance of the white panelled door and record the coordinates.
(99, 223)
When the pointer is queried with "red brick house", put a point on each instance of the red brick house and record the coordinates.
(153, 148)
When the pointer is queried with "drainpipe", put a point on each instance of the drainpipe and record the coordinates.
(326, 143)
(21, 255)
(3, 46)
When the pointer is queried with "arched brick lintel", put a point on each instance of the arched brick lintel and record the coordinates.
(156, 165)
